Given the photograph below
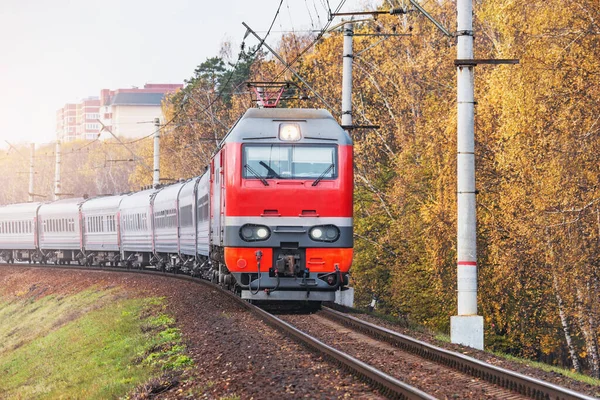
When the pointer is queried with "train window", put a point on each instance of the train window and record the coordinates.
(185, 213)
(203, 208)
(289, 161)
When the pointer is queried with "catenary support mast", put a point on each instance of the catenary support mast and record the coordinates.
(347, 75)
(57, 190)
(467, 326)
(156, 177)
(31, 171)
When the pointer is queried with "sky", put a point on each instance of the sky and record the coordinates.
(60, 51)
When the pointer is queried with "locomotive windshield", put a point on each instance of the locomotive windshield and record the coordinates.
(289, 161)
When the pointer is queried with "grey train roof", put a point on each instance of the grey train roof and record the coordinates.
(259, 124)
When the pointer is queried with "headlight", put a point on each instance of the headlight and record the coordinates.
(253, 233)
(262, 233)
(289, 132)
(324, 233)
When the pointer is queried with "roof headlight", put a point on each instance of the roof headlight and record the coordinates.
(289, 132)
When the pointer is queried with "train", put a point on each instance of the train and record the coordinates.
(271, 218)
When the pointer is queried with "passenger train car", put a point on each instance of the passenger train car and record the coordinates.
(271, 218)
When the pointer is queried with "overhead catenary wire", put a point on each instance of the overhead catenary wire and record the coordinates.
(322, 32)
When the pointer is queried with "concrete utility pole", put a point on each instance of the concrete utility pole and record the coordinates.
(347, 75)
(467, 326)
(57, 191)
(31, 172)
(156, 179)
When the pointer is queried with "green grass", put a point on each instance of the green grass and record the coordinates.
(25, 319)
(51, 350)
(551, 368)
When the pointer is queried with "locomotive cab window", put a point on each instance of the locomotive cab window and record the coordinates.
(289, 161)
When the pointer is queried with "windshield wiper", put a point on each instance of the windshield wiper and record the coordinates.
(272, 173)
(263, 180)
(320, 178)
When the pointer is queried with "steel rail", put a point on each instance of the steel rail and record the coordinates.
(522, 384)
(388, 385)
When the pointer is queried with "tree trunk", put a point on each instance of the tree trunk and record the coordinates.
(586, 324)
(565, 325)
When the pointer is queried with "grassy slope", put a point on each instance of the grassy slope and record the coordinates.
(89, 345)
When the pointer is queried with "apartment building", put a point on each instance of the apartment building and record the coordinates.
(127, 113)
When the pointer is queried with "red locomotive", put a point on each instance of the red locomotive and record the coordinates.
(281, 192)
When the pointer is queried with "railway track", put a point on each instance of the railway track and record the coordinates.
(500, 383)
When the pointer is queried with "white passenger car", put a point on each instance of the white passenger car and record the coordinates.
(137, 243)
(166, 231)
(60, 236)
(101, 243)
(18, 238)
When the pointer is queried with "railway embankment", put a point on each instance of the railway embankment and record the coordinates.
(95, 334)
